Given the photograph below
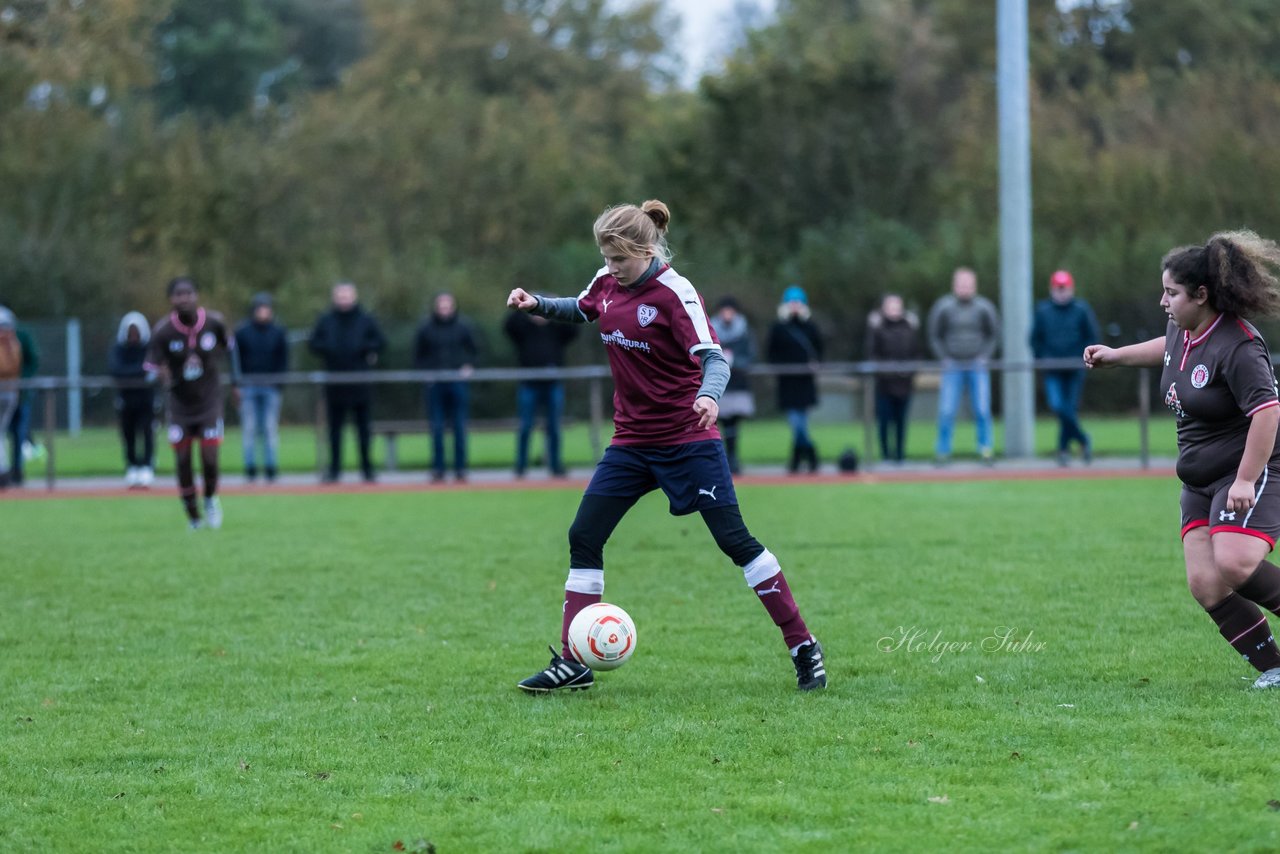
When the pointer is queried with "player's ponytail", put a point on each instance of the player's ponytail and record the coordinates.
(659, 213)
(637, 232)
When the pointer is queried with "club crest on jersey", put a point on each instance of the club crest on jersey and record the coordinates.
(208, 341)
(1199, 376)
(645, 314)
(1171, 400)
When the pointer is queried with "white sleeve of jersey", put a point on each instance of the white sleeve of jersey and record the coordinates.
(602, 271)
(692, 305)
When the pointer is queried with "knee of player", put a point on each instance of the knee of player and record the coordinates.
(1206, 588)
(583, 537)
(1235, 563)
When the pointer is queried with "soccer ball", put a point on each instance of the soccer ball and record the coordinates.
(602, 636)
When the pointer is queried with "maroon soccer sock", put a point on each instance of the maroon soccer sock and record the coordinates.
(584, 587)
(209, 466)
(1244, 626)
(1263, 587)
(775, 596)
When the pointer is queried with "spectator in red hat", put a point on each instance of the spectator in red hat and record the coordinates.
(1062, 328)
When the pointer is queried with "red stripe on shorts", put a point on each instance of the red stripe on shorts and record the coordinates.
(1194, 523)
(1236, 529)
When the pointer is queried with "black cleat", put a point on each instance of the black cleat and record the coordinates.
(561, 674)
(811, 671)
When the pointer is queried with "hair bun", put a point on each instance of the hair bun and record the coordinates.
(658, 212)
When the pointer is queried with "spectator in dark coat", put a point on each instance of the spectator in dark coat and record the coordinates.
(893, 335)
(347, 339)
(1062, 328)
(446, 342)
(739, 350)
(10, 370)
(135, 403)
(264, 349)
(539, 343)
(794, 340)
(20, 424)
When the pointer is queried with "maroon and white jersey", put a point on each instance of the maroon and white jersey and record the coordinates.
(652, 333)
(1214, 384)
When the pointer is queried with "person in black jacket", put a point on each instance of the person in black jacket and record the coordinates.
(135, 402)
(347, 338)
(893, 335)
(20, 423)
(794, 340)
(264, 349)
(539, 343)
(446, 342)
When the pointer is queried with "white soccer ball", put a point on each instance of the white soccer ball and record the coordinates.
(602, 636)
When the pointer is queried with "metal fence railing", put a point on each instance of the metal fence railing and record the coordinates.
(48, 388)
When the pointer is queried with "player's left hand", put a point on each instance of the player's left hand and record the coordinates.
(522, 300)
(1240, 496)
(709, 411)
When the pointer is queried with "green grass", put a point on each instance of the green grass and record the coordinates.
(96, 451)
(336, 673)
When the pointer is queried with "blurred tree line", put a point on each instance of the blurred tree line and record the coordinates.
(412, 147)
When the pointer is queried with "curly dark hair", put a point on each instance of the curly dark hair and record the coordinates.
(1238, 269)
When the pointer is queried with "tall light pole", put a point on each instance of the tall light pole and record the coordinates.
(1012, 80)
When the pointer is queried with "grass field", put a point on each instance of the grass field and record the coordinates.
(337, 673)
(97, 451)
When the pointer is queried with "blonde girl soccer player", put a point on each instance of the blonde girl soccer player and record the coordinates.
(668, 374)
(1218, 381)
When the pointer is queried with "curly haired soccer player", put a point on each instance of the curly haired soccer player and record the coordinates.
(185, 349)
(1219, 382)
(668, 374)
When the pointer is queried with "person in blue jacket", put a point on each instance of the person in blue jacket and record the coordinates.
(1063, 326)
(264, 349)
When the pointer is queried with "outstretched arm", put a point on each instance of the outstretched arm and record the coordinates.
(1148, 354)
(564, 309)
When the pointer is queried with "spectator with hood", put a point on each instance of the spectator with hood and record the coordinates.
(794, 340)
(135, 399)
